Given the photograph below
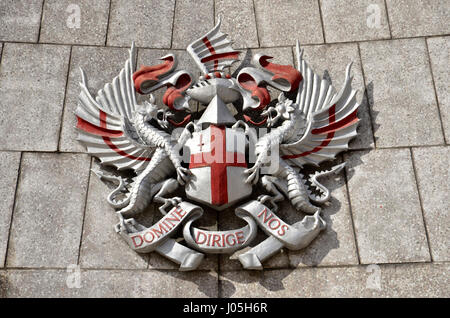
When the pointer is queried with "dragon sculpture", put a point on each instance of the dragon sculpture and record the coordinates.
(315, 129)
(118, 131)
(309, 130)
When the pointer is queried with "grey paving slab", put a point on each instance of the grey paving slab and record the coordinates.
(9, 171)
(48, 215)
(147, 22)
(418, 18)
(331, 60)
(109, 283)
(433, 172)
(238, 20)
(386, 208)
(406, 280)
(350, 20)
(336, 244)
(20, 20)
(192, 20)
(101, 66)
(403, 104)
(439, 59)
(283, 22)
(101, 246)
(75, 22)
(32, 84)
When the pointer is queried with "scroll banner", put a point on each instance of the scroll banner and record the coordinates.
(220, 242)
(294, 237)
(157, 237)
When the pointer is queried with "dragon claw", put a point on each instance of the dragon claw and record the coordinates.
(240, 123)
(172, 202)
(183, 175)
(253, 174)
(267, 198)
(271, 118)
(129, 225)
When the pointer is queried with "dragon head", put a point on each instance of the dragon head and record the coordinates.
(282, 109)
(151, 111)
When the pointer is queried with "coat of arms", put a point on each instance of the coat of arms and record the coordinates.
(240, 139)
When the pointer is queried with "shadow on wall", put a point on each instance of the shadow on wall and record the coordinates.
(370, 102)
(207, 283)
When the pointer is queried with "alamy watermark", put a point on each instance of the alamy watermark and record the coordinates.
(73, 279)
(373, 16)
(74, 19)
(374, 279)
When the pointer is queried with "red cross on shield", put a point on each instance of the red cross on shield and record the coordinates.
(217, 163)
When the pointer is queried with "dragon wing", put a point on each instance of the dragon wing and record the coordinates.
(105, 123)
(331, 119)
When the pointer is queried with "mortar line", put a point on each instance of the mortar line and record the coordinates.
(136, 61)
(45, 151)
(351, 213)
(369, 106)
(214, 12)
(348, 151)
(414, 146)
(238, 48)
(69, 66)
(416, 179)
(435, 90)
(87, 269)
(387, 17)
(321, 22)
(176, 270)
(40, 23)
(256, 23)
(1, 55)
(343, 266)
(19, 173)
(173, 22)
(107, 24)
(84, 210)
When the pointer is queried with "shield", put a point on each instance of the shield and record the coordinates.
(217, 163)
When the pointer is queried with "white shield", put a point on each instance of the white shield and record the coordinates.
(217, 163)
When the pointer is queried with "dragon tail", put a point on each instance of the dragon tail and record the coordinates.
(325, 194)
(297, 191)
(121, 188)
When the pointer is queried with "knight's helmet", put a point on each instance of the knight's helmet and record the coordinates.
(212, 53)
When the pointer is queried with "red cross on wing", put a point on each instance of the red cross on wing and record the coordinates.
(331, 118)
(105, 122)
